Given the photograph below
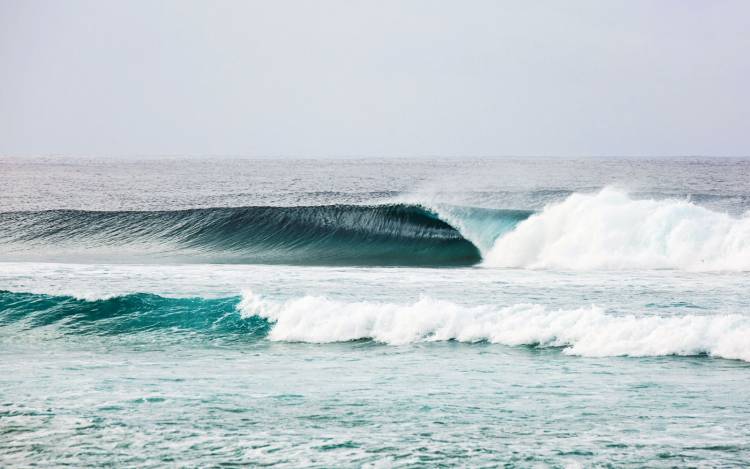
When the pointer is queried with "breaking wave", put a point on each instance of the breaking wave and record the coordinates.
(394, 234)
(587, 331)
(610, 230)
(586, 231)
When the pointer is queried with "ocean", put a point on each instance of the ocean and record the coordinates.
(517, 312)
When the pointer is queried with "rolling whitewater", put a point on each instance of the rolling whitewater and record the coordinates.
(381, 312)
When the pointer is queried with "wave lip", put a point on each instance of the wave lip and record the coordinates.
(586, 332)
(609, 230)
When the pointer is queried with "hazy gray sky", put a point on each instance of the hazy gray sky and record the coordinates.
(375, 78)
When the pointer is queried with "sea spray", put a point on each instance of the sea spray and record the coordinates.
(610, 230)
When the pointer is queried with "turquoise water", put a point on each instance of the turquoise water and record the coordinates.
(588, 314)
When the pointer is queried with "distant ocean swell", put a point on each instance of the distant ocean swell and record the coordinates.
(601, 230)
(587, 331)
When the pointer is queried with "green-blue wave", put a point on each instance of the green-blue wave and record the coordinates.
(396, 234)
(128, 314)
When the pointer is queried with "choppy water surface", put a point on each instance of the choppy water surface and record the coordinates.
(375, 312)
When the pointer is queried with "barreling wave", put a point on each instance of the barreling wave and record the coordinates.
(585, 231)
(396, 234)
(588, 331)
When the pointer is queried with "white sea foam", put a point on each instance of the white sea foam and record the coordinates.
(609, 230)
(585, 331)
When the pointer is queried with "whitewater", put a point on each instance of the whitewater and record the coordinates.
(586, 332)
(610, 230)
(380, 313)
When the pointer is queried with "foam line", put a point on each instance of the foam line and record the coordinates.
(587, 331)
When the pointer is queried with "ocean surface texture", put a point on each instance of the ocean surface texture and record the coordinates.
(375, 313)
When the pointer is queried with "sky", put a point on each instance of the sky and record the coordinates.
(338, 78)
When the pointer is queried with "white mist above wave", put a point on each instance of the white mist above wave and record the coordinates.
(609, 230)
(586, 331)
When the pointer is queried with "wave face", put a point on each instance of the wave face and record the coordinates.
(127, 314)
(609, 230)
(394, 234)
(588, 331)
